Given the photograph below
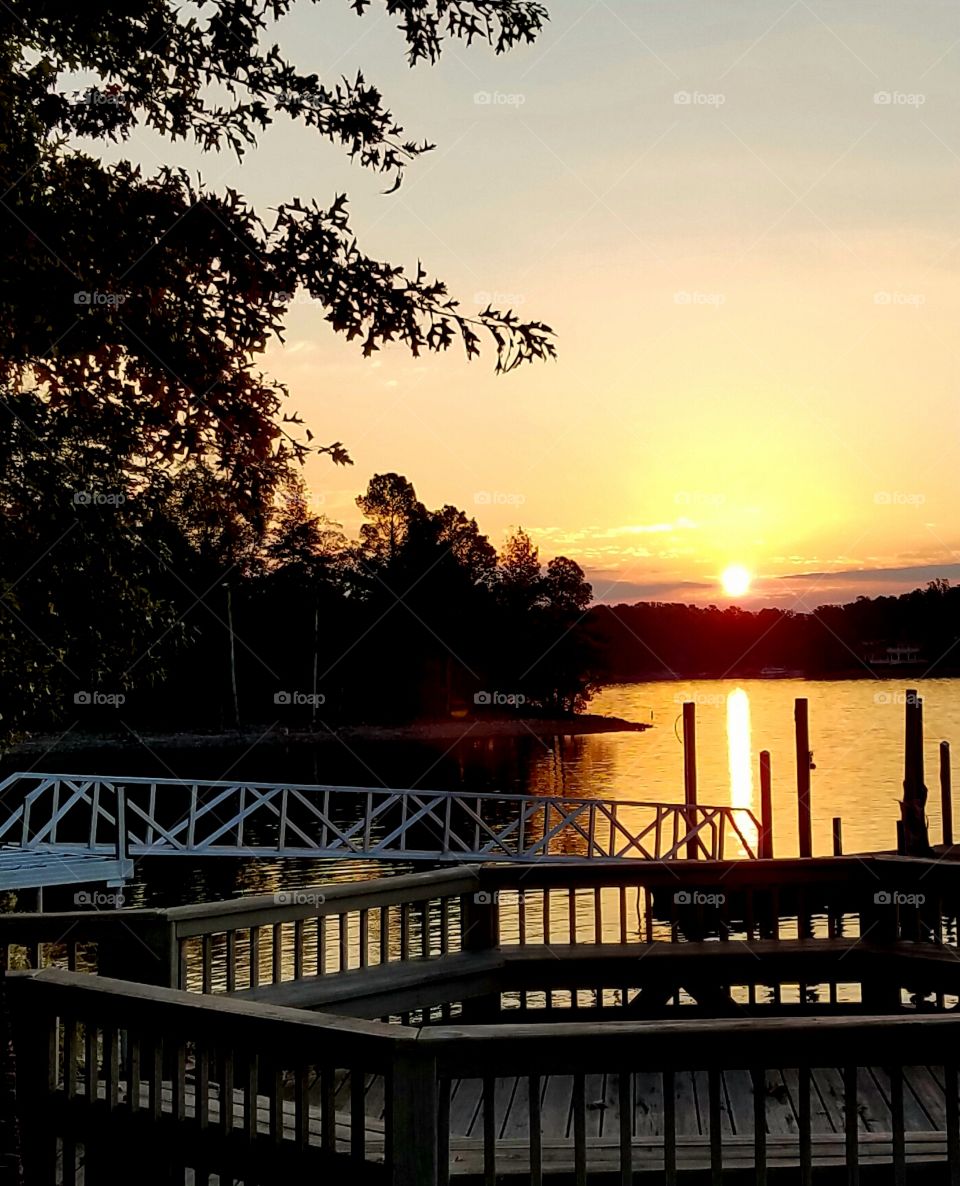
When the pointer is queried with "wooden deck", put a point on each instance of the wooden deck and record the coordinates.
(46, 865)
(924, 1111)
(924, 1107)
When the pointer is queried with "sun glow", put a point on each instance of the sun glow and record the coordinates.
(735, 580)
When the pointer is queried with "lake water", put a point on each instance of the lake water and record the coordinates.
(856, 732)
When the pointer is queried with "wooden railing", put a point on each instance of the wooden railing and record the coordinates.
(111, 1070)
(166, 817)
(270, 939)
(107, 1069)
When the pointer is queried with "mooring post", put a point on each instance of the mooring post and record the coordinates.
(837, 836)
(690, 772)
(766, 808)
(802, 723)
(946, 796)
(916, 841)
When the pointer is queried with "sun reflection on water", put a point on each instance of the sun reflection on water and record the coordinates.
(738, 748)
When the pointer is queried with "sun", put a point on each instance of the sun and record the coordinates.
(735, 580)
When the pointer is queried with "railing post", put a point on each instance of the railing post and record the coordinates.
(121, 818)
(766, 808)
(690, 773)
(479, 920)
(480, 931)
(413, 1112)
(142, 950)
(802, 724)
(35, 1048)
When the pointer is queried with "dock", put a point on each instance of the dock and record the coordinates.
(544, 1024)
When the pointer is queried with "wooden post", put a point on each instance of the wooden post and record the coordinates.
(837, 836)
(766, 808)
(946, 797)
(802, 725)
(690, 770)
(412, 1120)
(121, 824)
(916, 841)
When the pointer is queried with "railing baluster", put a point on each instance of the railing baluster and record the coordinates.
(344, 941)
(254, 956)
(202, 1084)
(179, 1084)
(358, 1115)
(276, 968)
(226, 1090)
(444, 1089)
(133, 1071)
(572, 910)
(298, 943)
(758, 1078)
(275, 1089)
(251, 1126)
(301, 1106)
(896, 1124)
(405, 930)
(716, 1140)
(489, 1131)
(155, 1078)
(536, 1131)
(206, 947)
(364, 937)
(328, 1115)
(625, 1096)
(669, 1129)
(850, 1121)
(444, 925)
(953, 1120)
(111, 1066)
(231, 960)
(579, 1129)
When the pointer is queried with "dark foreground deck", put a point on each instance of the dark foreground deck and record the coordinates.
(558, 1026)
(924, 1104)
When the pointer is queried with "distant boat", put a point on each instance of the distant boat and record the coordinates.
(780, 673)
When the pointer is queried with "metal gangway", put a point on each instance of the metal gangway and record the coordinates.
(132, 817)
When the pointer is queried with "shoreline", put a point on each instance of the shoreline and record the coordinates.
(427, 731)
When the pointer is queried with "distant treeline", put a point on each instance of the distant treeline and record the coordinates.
(157, 604)
(920, 630)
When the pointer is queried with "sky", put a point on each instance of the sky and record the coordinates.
(741, 220)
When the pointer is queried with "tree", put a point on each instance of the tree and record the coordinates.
(394, 511)
(567, 590)
(472, 551)
(296, 538)
(135, 308)
(521, 586)
(141, 303)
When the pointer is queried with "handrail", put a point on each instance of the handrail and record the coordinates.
(217, 818)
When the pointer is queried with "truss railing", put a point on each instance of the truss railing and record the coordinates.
(141, 817)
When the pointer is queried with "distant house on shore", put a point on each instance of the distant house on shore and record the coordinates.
(900, 654)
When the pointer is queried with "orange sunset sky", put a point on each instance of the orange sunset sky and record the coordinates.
(743, 223)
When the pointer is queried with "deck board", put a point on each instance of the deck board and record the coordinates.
(924, 1137)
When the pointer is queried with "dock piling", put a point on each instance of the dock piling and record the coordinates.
(766, 808)
(837, 836)
(802, 725)
(690, 770)
(946, 796)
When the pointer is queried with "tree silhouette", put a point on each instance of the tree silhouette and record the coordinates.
(141, 303)
(135, 309)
